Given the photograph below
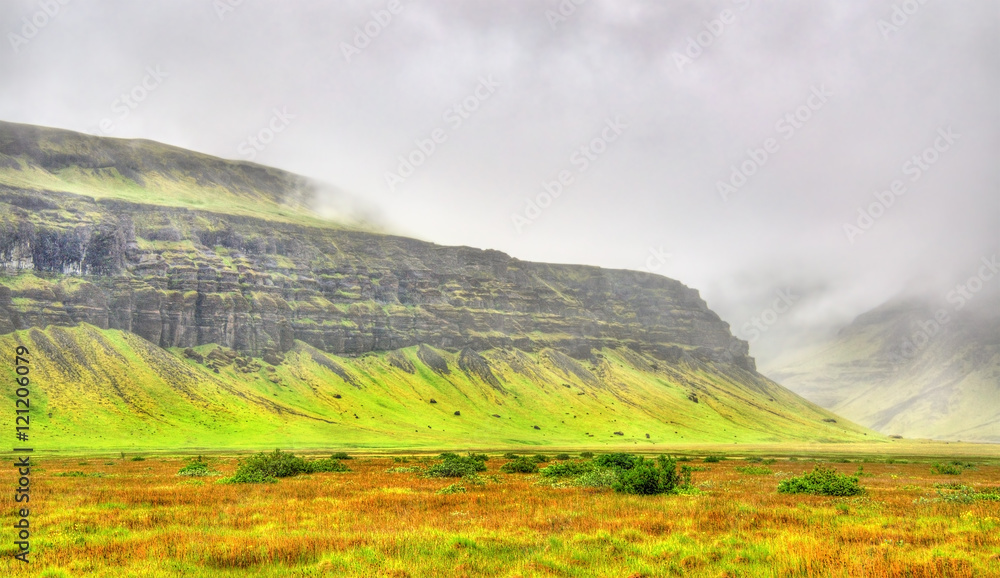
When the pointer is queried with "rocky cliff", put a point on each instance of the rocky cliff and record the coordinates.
(181, 277)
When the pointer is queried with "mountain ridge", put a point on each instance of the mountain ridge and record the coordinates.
(245, 295)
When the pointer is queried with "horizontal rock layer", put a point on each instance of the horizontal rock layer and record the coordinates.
(181, 278)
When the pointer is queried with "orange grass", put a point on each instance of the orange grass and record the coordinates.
(143, 520)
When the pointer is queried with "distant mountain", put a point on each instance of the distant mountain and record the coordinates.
(179, 298)
(922, 368)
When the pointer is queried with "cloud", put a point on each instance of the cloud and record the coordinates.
(656, 187)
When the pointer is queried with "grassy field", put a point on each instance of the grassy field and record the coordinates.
(109, 516)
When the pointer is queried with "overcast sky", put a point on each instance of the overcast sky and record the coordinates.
(642, 109)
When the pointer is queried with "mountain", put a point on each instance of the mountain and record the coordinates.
(184, 299)
(916, 367)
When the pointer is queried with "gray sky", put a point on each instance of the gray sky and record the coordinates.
(664, 98)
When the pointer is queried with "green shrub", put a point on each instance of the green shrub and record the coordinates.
(452, 489)
(510, 456)
(647, 478)
(617, 461)
(455, 466)
(754, 470)
(566, 469)
(522, 465)
(540, 459)
(327, 465)
(598, 478)
(342, 456)
(480, 457)
(138, 459)
(196, 469)
(586, 455)
(948, 469)
(562, 457)
(713, 459)
(821, 481)
(267, 467)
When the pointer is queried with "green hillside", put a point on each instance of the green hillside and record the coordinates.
(106, 389)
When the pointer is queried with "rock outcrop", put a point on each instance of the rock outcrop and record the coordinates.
(180, 278)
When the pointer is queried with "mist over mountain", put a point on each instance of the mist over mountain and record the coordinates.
(697, 88)
(925, 366)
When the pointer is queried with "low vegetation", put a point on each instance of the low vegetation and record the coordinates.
(822, 481)
(455, 466)
(123, 518)
(268, 467)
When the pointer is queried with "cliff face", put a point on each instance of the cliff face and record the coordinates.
(180, 277)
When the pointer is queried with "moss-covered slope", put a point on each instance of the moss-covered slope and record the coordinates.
(107, 389)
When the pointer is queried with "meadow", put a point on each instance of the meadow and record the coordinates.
(118, 516)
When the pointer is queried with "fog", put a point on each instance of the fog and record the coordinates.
(597, 132)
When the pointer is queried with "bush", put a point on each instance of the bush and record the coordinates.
(566, 469)
(713, 459)
(648, 478)
(510, 456)
(341, 456)
(479, 457)
(138, 459)
(587, 455)
(540, 459)
(821, 481)
(452, 489)
(598, 478)
(948, 469)
(754, 470)
(618, 461)
(455, 466)
(521, 465)
(266, 468)
(562, 457)
(327, 465)
(196, 469)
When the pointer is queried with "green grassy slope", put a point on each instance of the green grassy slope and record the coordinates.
(105, 389)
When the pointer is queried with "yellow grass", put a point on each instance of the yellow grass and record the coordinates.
(140, 519)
